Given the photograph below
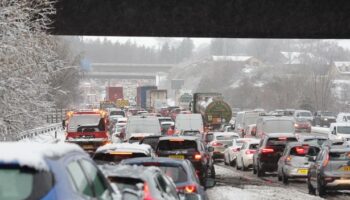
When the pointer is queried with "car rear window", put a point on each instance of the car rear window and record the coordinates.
(281, 141)
(152, 141)
(122, 113)
(253, 146)
(167, 145)
(125, 183)
(226, 137)
(101, 158)
(178, 174)
(23, 182)
(339, 156)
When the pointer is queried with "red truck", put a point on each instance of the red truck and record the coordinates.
(88, 129)
(114, 93)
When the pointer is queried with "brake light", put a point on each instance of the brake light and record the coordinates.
(282, 138)
(190, 189)
(325, 162)
(267, 150)
(215, 144)
(249, 151)
(300, 150)
(197, 156)
(146, 192)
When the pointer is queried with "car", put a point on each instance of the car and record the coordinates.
(294, 160)
(274, 124)
(324, 118)
(302, 125)
(165, 125)
(250, 131)
(318, 139)
(244, 119)
(330, 171)
(116, 113)
(50, 171)
(220, 142)
(181, 171)
(343, 117)
(303, 114)
(138, 127)
(151, 181)
(114, 153)
(151, 140)
(191, 148)
(196, 133)
(231, 151)
(245, 156)
(269, 152)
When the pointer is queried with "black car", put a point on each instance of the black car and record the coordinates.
(191, 148)
(151, 140)
(270, 150)
(324, 118)
(330, 170)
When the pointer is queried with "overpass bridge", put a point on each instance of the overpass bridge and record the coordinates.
(127, 70)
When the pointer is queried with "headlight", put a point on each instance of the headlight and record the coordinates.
(325, 119)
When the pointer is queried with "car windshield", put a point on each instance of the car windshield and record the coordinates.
(168, 145)
(115, 157)
(253, 146)
(304, 114)
(152, 141)
(339, 156)
(77, 122)
(226, 137)
(319, 141)
(117, 112)
(190, 133)
(278, 126)
(23, 183)
(178, 174)
(343, 129)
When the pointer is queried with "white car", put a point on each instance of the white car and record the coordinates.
(220, 141)
(245, 156)
(230, 153)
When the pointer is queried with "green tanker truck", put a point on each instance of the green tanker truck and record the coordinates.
(212, 107)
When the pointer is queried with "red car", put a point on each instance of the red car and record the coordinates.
(302, 126)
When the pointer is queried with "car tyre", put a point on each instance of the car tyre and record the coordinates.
(237, 167)
(260, 172)
(279, 177)
(254, 170)
(320, 188)
(233, 163)
(243, 167)
(311, 189)
(212, 172)
(284, 178)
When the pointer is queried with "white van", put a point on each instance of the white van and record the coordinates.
(340, 131)
(189, 122)
(271, 124)
(343, 117)
(244, 119)
(138, 127)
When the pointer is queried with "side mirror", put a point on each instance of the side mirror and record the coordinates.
(209, 183)
(312, 158)
(210, 149)
(333, 132)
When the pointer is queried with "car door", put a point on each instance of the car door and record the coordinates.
(282, 160)
(314, 168)
(163, 187)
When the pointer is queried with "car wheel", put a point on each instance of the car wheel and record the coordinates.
(279, 177)
(237, 167)
(212, 172)
(233, 163)
(311, 189)
(320, 188)
(254, 169)
(243, 167)
(260, 172)
(284, 178)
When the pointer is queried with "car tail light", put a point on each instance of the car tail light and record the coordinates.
(197, 156)
(187, 189)
(325, 162)
(300, 150)
(215, 144)
(249, 151)
(146, 192)
(267, 150)
(287, 160)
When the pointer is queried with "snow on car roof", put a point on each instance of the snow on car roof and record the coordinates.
(133, 171)
(33, 154)
(126, 147)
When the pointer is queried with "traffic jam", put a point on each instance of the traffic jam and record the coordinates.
(157, 152)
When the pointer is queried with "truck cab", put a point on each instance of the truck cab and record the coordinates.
(88, 129)
(340, 131)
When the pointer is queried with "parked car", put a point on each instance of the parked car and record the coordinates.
(303, 114)
(50, 171)
(245, 156)
(181, 171)
(154, 184)
(302, 125)
(220, 142)
(324, 118)
(231, 151)
(151, 140)
(114, 153)
(274, 124)
(270, 150)
(331, 170)
(191, 148)
(343, 117)
(294, 161)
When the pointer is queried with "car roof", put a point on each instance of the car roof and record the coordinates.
(274, 118)
(179, 137)
(154, 159)
(274, 135)
(302, 111)
(33, 154)
(225, 133)
(133, 147)
(137, 172)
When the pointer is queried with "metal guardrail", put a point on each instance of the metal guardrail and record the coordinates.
(38, 131)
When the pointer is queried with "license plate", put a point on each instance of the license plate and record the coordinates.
(88, 146)
(177, 156)
(346, 168)
(302, 171)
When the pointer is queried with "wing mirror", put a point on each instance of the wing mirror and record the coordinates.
(210, 149)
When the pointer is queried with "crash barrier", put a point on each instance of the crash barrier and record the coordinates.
(320, 130)
(56, 128)
(56, 115)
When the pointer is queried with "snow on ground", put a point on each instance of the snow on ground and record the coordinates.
(257, 192)
(47, 137)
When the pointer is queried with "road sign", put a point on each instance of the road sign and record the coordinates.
(121, 103)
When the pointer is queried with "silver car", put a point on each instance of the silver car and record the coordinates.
(294, 161)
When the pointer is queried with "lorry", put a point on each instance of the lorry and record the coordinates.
(114, 93)
(88, 129)
(214, 110)
(141, 95)
(156, 99)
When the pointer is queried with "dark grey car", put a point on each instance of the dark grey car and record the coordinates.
(331, 170)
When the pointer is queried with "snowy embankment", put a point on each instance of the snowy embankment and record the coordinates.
(253, 192)
(47, 137)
